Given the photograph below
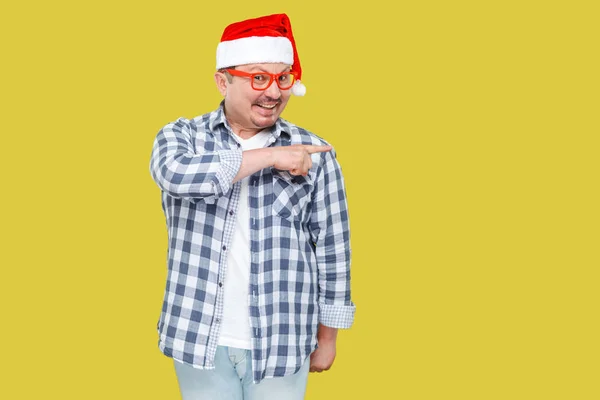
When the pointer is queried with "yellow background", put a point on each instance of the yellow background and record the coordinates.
(468, 135)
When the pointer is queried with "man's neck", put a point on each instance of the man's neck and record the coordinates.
(239, 130)
(245, 133)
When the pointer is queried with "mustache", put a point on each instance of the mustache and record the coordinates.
(267, 99)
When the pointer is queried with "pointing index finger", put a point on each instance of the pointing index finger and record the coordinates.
(311, 149)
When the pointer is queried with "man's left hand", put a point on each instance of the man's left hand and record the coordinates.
(322, 358)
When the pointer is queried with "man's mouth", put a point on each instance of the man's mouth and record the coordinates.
(267, 106)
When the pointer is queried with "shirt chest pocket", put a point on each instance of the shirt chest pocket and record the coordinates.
(291, 194)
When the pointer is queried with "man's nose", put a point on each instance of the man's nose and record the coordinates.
(273, 91)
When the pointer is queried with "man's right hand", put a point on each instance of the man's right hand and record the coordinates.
(295, 158)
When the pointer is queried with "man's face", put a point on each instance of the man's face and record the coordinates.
(247, 108)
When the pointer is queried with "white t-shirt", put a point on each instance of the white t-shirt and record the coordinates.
(235, 329)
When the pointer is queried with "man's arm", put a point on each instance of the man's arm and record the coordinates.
(330, 230)
(295, 158)
(184, 172)
(188, 173)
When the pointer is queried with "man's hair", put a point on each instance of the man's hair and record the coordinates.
(227, 74)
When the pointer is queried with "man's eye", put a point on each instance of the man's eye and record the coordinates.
(284, 78)
(261, 78)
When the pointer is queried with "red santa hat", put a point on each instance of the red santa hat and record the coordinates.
(265, 39)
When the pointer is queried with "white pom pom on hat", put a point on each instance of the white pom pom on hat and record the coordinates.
(298, 89)
(265, 39)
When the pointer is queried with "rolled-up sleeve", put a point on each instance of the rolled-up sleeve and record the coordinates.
(330, 230)
(183, 170)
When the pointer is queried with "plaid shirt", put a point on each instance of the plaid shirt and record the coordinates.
(299, 242)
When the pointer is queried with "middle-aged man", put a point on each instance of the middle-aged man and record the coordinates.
(259, 241)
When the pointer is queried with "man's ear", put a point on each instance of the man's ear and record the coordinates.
(221, 81)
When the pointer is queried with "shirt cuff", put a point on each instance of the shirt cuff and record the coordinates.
(230, 163)
(335, 316)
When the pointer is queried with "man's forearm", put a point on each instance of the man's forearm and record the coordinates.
(253, 161)
(326, 333)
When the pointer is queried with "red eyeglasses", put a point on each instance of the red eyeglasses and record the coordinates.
(262, 80)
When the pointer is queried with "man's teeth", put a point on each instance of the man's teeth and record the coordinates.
(267, 106)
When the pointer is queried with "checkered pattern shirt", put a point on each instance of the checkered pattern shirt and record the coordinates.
(299, 242)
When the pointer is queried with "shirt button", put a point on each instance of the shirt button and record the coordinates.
(224, 247)
(220, 284)
(218, 320)
(230, 212)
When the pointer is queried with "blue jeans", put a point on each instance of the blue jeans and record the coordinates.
(232, 380)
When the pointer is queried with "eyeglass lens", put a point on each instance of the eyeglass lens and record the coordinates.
(262, 81)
